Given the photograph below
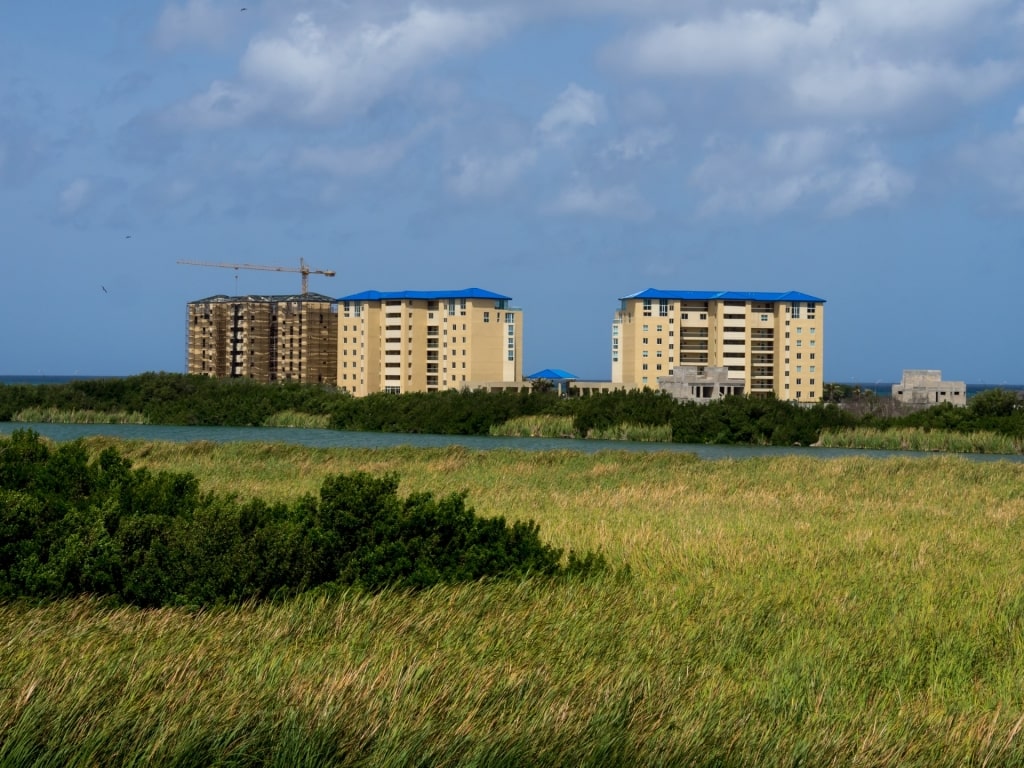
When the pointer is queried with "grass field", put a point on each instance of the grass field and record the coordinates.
(779, 611)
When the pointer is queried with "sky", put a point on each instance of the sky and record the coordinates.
(566, 153)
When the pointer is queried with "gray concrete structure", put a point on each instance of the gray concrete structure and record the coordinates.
(926, 387)
(700, 384)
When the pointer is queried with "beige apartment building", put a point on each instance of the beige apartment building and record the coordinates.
(773, 342)
(264, 338)
(426, 341)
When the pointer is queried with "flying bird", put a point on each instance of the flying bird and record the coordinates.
(104, 288)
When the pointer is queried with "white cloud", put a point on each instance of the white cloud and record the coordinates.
(619, 201)
(196, 21)
(574, 108)
(796, 168)
(74, 197)
(871, 183)
(886, 87)
(750, 42)
(999, 160)
(352, 161)
(481, 175)
(639, 144)
(314, 70)
(863, 58)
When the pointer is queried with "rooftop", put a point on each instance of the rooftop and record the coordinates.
(462, 293)
(259, 298)
(654, 293)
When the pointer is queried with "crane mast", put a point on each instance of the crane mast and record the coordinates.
(304, 269)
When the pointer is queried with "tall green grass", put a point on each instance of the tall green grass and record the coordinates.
(535, 426)
(298, 420)
(781, 611)
(642, 433)
(562, 426)
(63, 416)
(912, 439)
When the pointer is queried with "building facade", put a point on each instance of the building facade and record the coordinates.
(264, 338)
(926, 388)
(426, 341)
(773, 342)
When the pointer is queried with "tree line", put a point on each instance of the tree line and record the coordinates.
(166, 398)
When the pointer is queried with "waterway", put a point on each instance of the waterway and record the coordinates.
(329, 438)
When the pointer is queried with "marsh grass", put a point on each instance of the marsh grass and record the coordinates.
(781, 611)
(298, 420)
(62, 416)
(641, 433)
(535, 426)
(912, 439)
(562, 426)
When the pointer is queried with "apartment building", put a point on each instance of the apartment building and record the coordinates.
(774, 342)
(426, 341)
(264, 338)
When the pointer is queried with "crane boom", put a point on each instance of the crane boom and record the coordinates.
(303, 269)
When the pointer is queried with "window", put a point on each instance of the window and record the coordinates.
(647, 307)
(662, 307)
(645, 327)
(487, 317)
(703, 315)
(796, 309)
(645, 353)
(510, 317)
(764, 318)
(812, 371)
(645, 366)
(686, 315)
(646, 340)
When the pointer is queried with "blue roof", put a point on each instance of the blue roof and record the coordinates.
(553, 374)
(654, 293)
(463, 293)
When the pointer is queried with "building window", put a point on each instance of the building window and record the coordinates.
(703, 315)
(796, 309)
(510, 317)
(764, 318)
(487, 317)
(662, 307)
(647, 307)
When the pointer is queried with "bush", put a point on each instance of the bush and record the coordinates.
(70, 526)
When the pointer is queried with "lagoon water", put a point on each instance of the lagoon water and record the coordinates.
(329, 438)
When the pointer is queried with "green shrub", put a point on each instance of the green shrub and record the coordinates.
(71, 526)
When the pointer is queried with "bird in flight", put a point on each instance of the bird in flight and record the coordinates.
(104, 288)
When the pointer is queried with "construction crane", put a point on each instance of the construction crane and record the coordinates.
(303, 269)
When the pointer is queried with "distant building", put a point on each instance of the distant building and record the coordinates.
(700, 384)
(264, 338)
(426, 341)
(926, 387)
(773, 342)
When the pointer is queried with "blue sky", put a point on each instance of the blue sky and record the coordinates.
(565, 153)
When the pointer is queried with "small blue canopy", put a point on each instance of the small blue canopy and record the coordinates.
(553, 374)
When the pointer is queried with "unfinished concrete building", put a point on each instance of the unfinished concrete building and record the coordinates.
(700, 384)
(926, 387)
(264, 338)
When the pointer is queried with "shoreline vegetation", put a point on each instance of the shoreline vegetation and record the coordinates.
(992, 421)
(778, 611)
